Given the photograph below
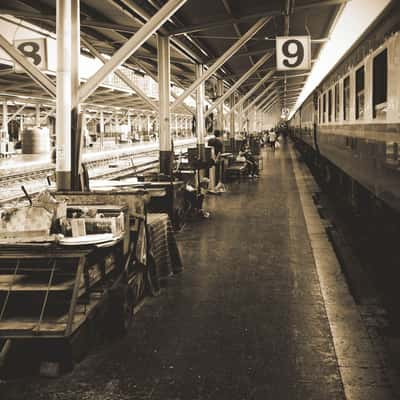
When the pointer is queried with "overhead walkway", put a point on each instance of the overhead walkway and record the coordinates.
(261, 311)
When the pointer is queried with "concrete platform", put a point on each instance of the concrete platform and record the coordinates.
(262, 311)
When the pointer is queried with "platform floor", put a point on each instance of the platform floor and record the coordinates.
(261, 311)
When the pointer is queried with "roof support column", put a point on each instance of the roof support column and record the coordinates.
(64, 95)
(101, 125)
(240, 118)
(232, 117)
(220, 108)
(164, 85)
(38, 114)
(5, 117)
(200, 123)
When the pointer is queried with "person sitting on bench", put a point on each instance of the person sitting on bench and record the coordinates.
(251, 162)
(195, 198)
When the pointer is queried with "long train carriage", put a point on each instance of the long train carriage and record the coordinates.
(351, 122)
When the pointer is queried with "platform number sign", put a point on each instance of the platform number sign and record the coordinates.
(293, 53)
(34, 50)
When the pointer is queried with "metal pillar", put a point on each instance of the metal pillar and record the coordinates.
(164, 78)
(21, 126)
(5, 118)
(101, 130)
(220, 108)
(37, 115)
(148, 124)
(129, 123)
(232, 117)
(63, 98)
(240, 118)
(200, 123)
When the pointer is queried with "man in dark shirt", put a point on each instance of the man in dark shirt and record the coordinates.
(218, 145)
(216, 142)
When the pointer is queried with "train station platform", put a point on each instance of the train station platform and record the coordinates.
(261, 311)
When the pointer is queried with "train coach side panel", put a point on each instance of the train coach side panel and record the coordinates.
(356, 150)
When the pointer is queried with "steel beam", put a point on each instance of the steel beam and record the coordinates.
(16, 113)
(130, 46)
(221, 23)
(264, 101)
(149, 72)
(268, 98)
(176, 43)
(271, 101)
(89, 23)
(252, 90)
(48, 113)
(164, 88)
(38, 76)
(221, 60)
(122, 76)
(269, 87)
(244, 77)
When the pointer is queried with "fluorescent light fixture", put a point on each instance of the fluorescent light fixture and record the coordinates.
(356, 17)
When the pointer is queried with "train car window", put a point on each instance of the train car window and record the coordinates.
(324, 108)
(337, 102)
(330, 105)
(379, 76)
(346, 98)
(319, 109)
(360, 85)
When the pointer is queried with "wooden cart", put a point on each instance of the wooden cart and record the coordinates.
(53, 297)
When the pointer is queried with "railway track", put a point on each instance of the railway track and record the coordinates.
(111, 165)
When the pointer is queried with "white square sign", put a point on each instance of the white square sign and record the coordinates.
(293, 53)
(34, 50)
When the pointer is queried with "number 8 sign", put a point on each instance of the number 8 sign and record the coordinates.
(293, 52)
(34, 50)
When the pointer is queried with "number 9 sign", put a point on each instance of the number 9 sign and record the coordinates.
(293, 52)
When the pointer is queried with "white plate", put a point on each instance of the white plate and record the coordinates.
(87, 239)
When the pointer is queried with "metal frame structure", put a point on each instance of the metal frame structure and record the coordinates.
(131, 35)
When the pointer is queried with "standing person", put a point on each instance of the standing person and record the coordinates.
(272, 139)
(217, 144)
